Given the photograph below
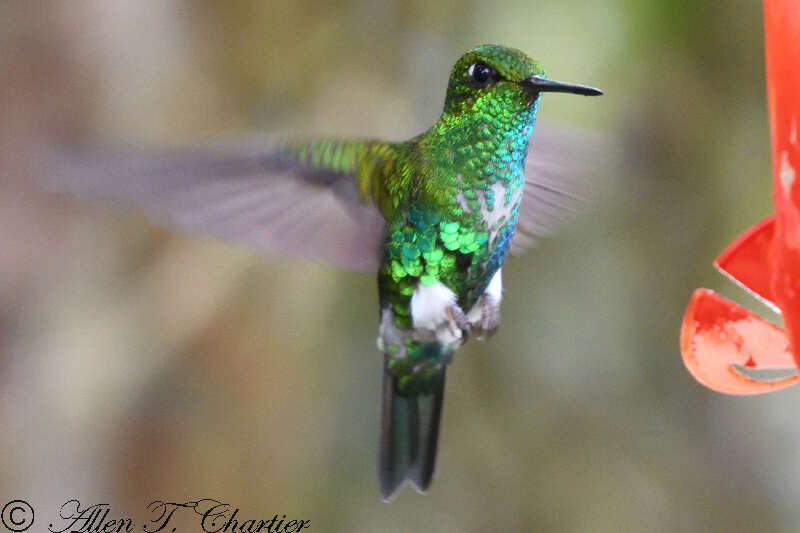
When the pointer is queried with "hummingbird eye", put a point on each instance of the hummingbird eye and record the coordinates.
(481, 75)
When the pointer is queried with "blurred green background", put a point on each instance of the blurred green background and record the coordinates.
(138, 364)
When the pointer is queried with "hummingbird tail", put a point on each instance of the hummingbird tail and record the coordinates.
(409, 435)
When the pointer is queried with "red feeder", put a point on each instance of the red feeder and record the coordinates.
(720, 338)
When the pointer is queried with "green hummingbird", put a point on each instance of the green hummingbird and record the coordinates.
(434, 216)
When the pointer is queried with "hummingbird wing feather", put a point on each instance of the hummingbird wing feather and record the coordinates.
(560, 178)
(252, 194)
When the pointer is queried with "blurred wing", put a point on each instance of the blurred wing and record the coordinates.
(257, 197)
(559, 179)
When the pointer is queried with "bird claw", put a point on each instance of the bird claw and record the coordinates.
(488, 321)
(456, 320)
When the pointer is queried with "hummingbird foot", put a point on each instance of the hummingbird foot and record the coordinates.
(484, 317)
(488, 320)
(456, 321)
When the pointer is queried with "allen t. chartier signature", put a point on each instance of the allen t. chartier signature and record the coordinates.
(215, 517)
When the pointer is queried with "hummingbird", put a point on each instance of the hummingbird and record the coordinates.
(433, 216)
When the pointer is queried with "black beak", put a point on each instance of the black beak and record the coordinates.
(537, 84)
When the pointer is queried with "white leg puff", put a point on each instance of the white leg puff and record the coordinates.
(434, 309)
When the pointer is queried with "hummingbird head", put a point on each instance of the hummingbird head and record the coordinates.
(493, 75)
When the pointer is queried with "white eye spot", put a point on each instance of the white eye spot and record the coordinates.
(481, 75)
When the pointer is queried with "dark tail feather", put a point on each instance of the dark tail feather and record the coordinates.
(409, 436)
